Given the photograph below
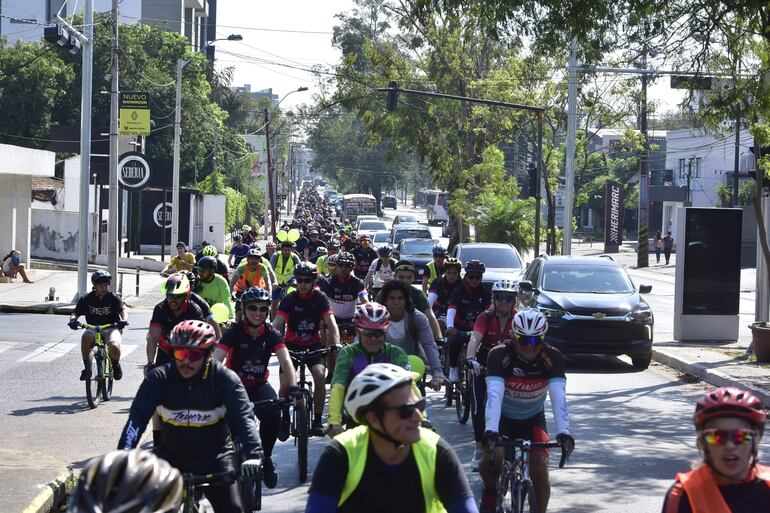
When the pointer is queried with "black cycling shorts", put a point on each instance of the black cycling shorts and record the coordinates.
(319, 359)
(533, 429)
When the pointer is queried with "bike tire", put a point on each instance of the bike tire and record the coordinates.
(106, 378)
(251, 488)
(93, 384)
(463, 405)
(524, 498)
(505, 501)
(303, 433)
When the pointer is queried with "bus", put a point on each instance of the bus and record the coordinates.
(438, 212)
(354, 205)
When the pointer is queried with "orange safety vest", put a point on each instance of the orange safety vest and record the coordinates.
(248, 279)
(703, 492)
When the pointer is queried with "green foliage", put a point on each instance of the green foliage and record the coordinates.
(746, 191)
(504, 219)
(235, 208)
(723, 193)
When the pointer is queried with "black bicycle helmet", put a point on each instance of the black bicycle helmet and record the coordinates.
(404, 265)
(133, 481)
(207, 262)
(475, 266)
(334, 244)
(306, 269)
(452, 262)
(101, 277)
(346, 258)
(254, 252)
(384, 250)
(321, 251)
(254, 295)
(439, 250)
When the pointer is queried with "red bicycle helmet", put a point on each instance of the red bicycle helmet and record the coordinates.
(371, 316)
(193, 335)
(270, 245)
(729, 402)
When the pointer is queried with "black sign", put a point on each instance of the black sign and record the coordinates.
(156, 213)
(133, 171)
(613, 217)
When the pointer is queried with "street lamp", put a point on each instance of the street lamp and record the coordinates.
(180, 64)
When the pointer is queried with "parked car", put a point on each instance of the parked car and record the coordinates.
(417, 251)
(409, 231)
(389, 201)
(502, 261)
(593, 307)
(370, 226)
(405, 218)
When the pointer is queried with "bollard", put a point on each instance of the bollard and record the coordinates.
(137, 282)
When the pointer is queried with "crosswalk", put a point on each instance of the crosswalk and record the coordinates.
(46, 353)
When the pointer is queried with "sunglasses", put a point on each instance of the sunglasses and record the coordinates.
(373, 333)
(345, 266)
(529, 340)
(505, 298)
(305, 280)
(405, 411)
(721, 436)
(176, 297)
(258, 308)
(473, 276)
(192, 355)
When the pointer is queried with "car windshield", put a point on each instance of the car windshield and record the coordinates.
(418, 247)
(414, 233)
(372, 225)
(381, 237)
(500, 257)
(407, 219)
(598, 279)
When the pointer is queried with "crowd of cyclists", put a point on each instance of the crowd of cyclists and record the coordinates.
(211, 339)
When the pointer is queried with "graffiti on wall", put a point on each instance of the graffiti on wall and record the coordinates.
(54, 234)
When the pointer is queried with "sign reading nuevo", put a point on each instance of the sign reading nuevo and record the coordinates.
(133, 170)
(134, 113)
(613, 217)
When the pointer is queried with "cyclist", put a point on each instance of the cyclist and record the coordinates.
(221, 266)
(283, 264)
(364, 255)
(253, 274)
(200, 403)
(311, 249)
(212, 287)
(182, 261)
(299, 317)
(100, 306)
(435, 267)
(372, 321)
(519, 375)
(248, 238)
(409, 329)
(331, 266)
(389, 463)
(320, 262)
(270, 248)
(729, 423)
(344, 290)
(465, 304)
(133, 481)
(238, 252)
(381, 270)
(405, 274)
(247, 346)
(441, 290)
(492, 327)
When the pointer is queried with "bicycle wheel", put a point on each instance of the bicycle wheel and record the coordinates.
(302, 415)
(93, 384)
(251, 493)
(505, 504)
(106, 377)
(463, 405)
(524, 498)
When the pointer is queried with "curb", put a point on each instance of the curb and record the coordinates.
(711, 376)
(52, 494)
(43, 308)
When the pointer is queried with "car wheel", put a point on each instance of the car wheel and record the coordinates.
(641, 363)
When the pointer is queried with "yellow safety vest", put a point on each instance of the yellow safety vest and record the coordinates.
(356, 444)
(284, 271)
(432, 270)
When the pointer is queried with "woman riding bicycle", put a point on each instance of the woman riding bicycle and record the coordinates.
(441, 290)
(248, 345)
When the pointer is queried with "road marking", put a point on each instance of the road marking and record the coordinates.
(4, 346)
(47, 353)
(127, 349)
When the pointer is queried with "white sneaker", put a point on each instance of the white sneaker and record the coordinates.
(476, 460)
(454, 374)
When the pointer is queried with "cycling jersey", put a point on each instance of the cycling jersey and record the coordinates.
(442, 290)
(247, 356)
(343, 294)
(303, 315)
(99, 311)
(711, 497)
(468, 303)
(284, 267)
(163, 317)
(185, 263)
(217, 291)
(364, 258)
(248, 278)
(488, 324)
(382, 273)
(196, 416)
(239, 252)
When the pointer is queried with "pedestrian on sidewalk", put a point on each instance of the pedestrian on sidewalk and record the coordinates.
(658, 245)
(12, 266)
(668, 245)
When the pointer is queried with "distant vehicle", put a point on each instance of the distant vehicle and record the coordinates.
(361, 219)
(593, 307)
(370, 227)
(380, 238)
(417, 251)
(389, 201)
(409, 231)
(406, 218)
(354, 205)
(438, 213)
(502, 261)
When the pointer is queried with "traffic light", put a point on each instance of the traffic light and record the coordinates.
(391, 102)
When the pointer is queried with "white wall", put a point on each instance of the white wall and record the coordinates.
(54, 234)
(15, 200)
(214, 220)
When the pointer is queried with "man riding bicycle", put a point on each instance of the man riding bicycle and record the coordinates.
(212, 287)
(100, 306)
(283, 264)
(381, 270)
(435, 267)
(248, 346)
(389, 463)
(254, 273)
(364, 255)
(200, 403)
(441, 290)
(519, 375)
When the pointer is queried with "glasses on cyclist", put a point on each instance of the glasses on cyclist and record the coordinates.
(373, 333)
(529, 340)
(176, 297)
(345, 266)
(473, 276)
(304, 280)
(721, 436)
(504, 298)
(258, 308)
(192, 355)
(406, 411)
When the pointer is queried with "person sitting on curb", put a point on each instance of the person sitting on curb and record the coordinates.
(12, 266)
(182, 261)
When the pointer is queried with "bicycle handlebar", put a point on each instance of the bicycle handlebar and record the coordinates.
(101, 327)
(528, 444)
(218, 478)
(278, 401)
(305, 354)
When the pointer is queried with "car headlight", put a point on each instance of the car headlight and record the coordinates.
(640, 313)
(550, 313)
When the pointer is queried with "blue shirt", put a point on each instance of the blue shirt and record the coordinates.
(239, 252)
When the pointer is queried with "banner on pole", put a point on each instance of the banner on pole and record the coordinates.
(134, 113)
(613, 217)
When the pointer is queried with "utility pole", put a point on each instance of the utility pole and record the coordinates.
(113, 236)
(570, 164)
(270, 191)
(87, 44)
(180, 64)
(538, 174)
(737, 161)
(643, 251)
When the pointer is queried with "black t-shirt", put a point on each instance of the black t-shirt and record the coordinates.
(313, 246)
(303, 316)
(349, 245)
(389, 488)
(469, 304)
(301, 243)
(248, 357)
(163, 317)
(751, 497)
(364, 258)
(99, 311)
(443, 291)
(343, 295)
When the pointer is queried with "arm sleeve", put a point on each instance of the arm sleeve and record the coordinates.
(425, 335)
(432, 297)
(336, 398)
(450, 317)
(326, 487)
(495, 390)
(224, 296)
(452, 486)
(240, 416)
(144, 404)
(557, 391)
(342, 367)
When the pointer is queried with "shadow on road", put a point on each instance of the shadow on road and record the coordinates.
(598, 364)
(79, 405)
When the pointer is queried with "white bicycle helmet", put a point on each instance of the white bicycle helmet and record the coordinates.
(505, 286)
(530, 322)
(372, 382)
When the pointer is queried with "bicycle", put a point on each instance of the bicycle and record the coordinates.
(192, 492)
(449, 391)
(462, 392)
(99, 384)
(515, 474)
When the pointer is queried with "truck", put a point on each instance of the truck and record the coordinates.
(438, 213)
